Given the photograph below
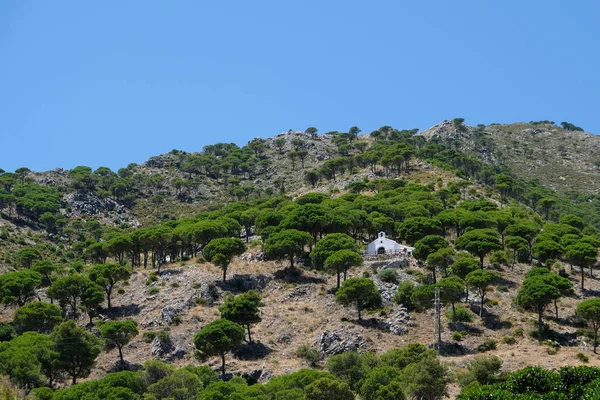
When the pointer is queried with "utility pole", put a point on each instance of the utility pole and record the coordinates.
(437, 333)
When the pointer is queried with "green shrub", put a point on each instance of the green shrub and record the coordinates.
(313, 356)
(366, 274)
(458, 336)
(502, 288)
(177, 320)
(518, 332)
(200, 301)
(121, 290)
(163, 336)
(509, 340)
(148, 337)
(152, 291)
(196, 285)
(583, 358)
(491, 302)
(7, 332)
(174, 285)
(151, 278)
(402, 295)
(462, 315)
(388, 275)
(488, 345)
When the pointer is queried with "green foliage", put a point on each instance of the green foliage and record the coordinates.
(416, 228)
(107, 276)
(480, 280)
(509, 340)
(77, 349)
(242, 309)
(330, 244)
(119, 333)
(488, 345)
(537, 293)
(313, 356)
(7, 332)
(360, 292)
(478, 242)
(342, 261)
(351, 367)
(403, 293)
(483, 370)
(422, 297)
(37, 316)
(19, 287)
(218, 338)
(583, 358)
(409, 354)
(589, 310)
(221, 251)
(388, 275)
(460, 314)
(287, 243)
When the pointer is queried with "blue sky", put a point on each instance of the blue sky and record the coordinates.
(109, 83)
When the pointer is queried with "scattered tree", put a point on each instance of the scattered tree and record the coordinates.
(218, 338)
(119, 333)
(361, 292)
(221, 251)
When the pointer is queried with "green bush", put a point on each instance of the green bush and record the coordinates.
(121, 291)
(502, 288)
(174, 285)
(148, 337)
(152, 291)
(151, 278)
(7, 332)
(488, 345)
(518, 332)
(402, 295)
(388, 275)
(462, 315)
(583, 358)
(509, 340)
(458, 336)
(313, 356)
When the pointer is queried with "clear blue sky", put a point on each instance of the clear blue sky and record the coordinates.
(109, 83)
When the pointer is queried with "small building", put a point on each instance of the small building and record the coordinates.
(383, 245)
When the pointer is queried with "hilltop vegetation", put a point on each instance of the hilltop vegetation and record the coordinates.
(268, 241)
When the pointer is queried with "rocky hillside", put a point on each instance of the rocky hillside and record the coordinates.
(564, 160)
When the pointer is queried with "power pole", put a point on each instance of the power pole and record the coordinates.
(437, 334)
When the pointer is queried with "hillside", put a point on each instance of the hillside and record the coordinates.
(184, 232)
(564, 160)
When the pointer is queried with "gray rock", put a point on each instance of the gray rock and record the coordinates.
(161, 348)
(337, 342)
(170, 311)
(179, 352)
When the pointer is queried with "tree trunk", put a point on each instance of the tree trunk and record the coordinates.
(434, 277)
(453, 312)
(582, 278)
(108, 293)
(223, 364)
(358, 309)
(338, 279)
(591, 271)
(249, 335)
(74, 379)
(291, 260)
(540, 324)
(481, 306)
(224, 274)
(595, 339)
(345, 274)
(481, 261)
(121, 353)
(556, 309)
